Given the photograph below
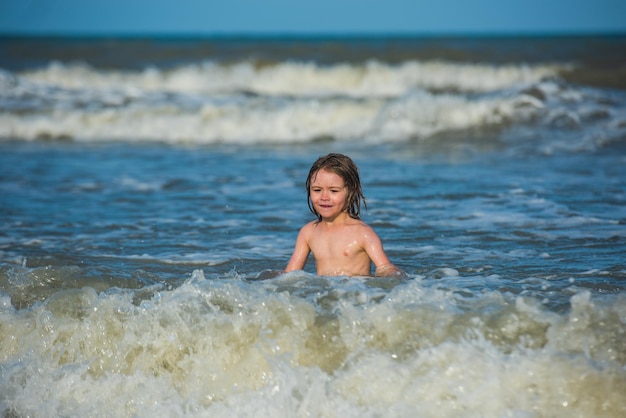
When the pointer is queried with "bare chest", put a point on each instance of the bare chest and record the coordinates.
(335, 244)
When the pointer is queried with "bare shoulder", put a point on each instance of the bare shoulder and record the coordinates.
(307, 229)
(309, 226)
(365, 231)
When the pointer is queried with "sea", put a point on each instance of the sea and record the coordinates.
(152, 188)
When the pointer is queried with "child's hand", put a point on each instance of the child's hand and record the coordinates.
(389, 270)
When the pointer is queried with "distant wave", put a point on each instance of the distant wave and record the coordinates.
(371, 79)
(292, 102)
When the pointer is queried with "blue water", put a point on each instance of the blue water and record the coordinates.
(147, 212)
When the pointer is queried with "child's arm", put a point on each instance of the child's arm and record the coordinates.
(300, 252)
(374, 248)
(389, 270)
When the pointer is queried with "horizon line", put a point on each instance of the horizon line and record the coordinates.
(310, 34)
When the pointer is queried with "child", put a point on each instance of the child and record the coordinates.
(342, 244)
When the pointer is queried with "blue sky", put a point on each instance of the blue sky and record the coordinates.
(311, 16)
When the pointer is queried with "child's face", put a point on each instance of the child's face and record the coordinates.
(328, 194)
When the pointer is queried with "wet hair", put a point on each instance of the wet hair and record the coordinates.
(345, 168)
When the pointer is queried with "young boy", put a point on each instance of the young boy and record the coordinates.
(342, 244)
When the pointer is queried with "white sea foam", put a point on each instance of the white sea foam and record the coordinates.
(416, 115)
(293, 102)
(321, 347)
(372, 79)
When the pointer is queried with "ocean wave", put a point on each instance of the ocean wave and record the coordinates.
(371, 79)
(293, 102)
(304, 343)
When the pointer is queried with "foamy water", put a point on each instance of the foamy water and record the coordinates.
(301, 102)
(147, 211)
(307, 346)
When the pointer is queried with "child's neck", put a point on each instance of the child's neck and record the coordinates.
(340, 219)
